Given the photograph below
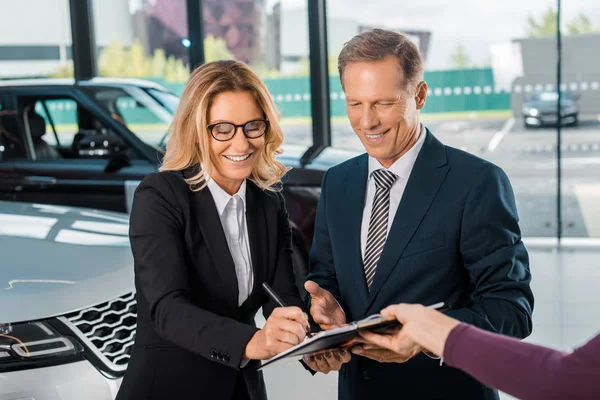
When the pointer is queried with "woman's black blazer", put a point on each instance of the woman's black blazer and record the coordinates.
(191, 333)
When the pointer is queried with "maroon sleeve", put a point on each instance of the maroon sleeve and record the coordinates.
(525, 370)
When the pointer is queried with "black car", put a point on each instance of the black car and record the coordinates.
(540, 108)
(90, 143)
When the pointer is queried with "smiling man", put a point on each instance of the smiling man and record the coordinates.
(411, 221)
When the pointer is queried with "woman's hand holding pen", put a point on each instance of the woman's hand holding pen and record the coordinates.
(285, 328)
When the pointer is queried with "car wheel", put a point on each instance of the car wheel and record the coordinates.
(300, 263)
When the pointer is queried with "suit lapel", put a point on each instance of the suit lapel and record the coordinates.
(427, 176)
(351, 205)
(257, 234)
(207, 218)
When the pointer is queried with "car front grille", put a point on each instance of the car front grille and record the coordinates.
(108, 329)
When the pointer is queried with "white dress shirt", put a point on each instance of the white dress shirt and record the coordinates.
(402, 168)
(232, 211)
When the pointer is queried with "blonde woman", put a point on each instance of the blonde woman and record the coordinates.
(206, 232)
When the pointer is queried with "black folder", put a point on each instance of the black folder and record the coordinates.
(342, 337)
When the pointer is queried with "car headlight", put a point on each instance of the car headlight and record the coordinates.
(533, 112)
(27, 344)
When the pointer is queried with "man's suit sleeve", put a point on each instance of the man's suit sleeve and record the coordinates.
(495, 258)
(156, 238)
(321, 264)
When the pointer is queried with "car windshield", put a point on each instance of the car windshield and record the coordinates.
(146, 112)
(550, 96)
(167, 99)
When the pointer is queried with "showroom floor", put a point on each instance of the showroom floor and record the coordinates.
(566, 286)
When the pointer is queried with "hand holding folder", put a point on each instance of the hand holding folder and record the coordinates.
(343, 337)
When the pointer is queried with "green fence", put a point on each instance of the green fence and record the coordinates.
(449, 91)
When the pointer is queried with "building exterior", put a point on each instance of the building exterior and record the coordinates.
(289, 37)
(580, 75)
(43, 44)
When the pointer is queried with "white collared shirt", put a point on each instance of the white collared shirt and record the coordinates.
(402, 168)
(232, 211)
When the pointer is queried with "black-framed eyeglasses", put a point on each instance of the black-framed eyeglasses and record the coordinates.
(224, 131)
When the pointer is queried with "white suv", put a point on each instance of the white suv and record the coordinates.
(67, 302)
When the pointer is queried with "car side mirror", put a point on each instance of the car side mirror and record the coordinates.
(97, 146)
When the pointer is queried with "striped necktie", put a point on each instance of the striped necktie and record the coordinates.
(378, 223)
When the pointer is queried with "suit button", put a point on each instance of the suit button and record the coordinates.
(365, 375)
(213, 354)
(226, 358)
(219, 356)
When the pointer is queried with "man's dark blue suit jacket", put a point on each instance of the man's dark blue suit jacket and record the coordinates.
(455, 238)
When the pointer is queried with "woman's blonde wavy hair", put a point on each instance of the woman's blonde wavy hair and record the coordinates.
(189, 138)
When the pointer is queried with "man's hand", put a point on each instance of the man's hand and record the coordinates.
(324, 308)
(328, 361)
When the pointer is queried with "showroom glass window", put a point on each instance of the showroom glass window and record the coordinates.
(478, 79)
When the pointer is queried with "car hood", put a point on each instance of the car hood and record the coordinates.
(57, 259)
(326, 159)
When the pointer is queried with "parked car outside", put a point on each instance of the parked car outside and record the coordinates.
(541, 108)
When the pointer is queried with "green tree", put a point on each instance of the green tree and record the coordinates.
(546, 26)
(259, 67)
(581, 24)
(460, 58)
(158, 63)
(303, 68)
(117, 61)
(113, 59)
(176, 70)
(216, 49)
(138, 65)
(64, 71)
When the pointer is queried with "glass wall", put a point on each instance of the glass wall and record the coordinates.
(35, 44)
(271, 37)
(488, 88)
(149, 39)
(492, 91)
(143, 39)
(580, 142)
